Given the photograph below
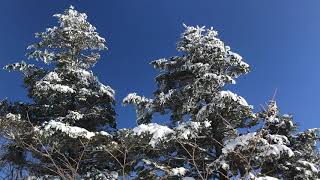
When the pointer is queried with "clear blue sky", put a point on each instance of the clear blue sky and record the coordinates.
(279, 39)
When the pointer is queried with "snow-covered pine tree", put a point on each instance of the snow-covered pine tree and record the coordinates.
(274, 151)
(57, 132)
(191, 89)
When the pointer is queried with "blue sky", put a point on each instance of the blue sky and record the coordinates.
(279, 39)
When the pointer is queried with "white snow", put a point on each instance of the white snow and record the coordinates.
(277, 150)
(180, 171)
(234, 97)
(61, 88)
(165, 97)
(107, 90)
(159, 62)
(243, 140)
(273, 145)
(212, 76)
(230, 79)
(190, 129)
(157, 131)
(72, 131)
(310, 165)
(244, 64)
(13, 117)
(266, 178)
(104, 133)
(235, 55)
(84, 76)
(135, 99)
(313, 130)
(160, 132)
(52, 76)
(43, 85)
(188, 178)
(84, 92)
(273, 119)
(74, 115)
(224, 165)
(84, 73)
(278, 139)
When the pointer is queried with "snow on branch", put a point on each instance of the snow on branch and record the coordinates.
(133, 98)
(234, 97)
(52, 127)
(157, 131)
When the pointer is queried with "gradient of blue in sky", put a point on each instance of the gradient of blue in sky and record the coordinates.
(279, 39)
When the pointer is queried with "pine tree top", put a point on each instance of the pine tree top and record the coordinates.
(73, 42)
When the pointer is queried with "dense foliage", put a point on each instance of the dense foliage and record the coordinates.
(68, 130)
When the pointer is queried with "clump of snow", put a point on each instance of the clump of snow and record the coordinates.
(212, 76)
(276, 150)
(188, 178)
(235, 55)
(107, 90)
(244, 64)
(84, 73)
(49, 128)
(278, 139)
(234, 97)
(180, 171)
(309, 165)
(85, 77)
(182, 131)
(266, 178)
(13, 117)
(51, 82)
(72, 131)
(135, 99)
(224, 165)
(74, 115)
(272, 119)
(159, 63)
(46, 86)
(61, 88)
(52, 76)
(243, 140)
(313, 130)
(157, 131)
(230, 79)
(83, 93)
(104, 133)
(190, 129)
(273, 145)
(165, 97)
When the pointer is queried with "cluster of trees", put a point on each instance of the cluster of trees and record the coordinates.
(68, 130)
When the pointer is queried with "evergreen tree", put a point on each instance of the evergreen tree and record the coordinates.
(203, 139)
(191, 88)
(275, 150)
(69, 92)
(69, 105)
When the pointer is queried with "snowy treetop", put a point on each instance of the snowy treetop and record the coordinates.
(73, 42)
(193, 82)
(205, 54)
